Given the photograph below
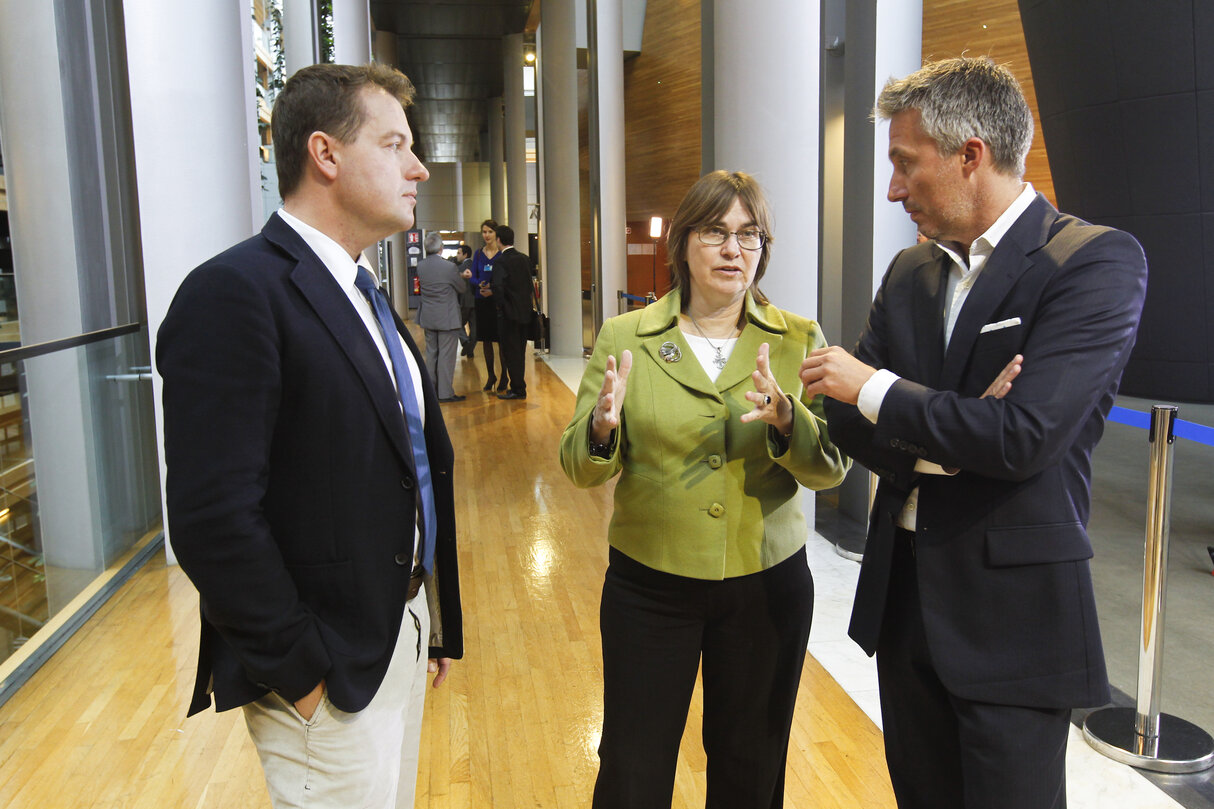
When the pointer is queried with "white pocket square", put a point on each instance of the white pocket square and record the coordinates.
(1002, 324)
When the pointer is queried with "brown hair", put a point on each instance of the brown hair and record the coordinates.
(325, 98)
(706, 203)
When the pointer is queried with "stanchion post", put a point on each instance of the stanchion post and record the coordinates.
(1144, 737)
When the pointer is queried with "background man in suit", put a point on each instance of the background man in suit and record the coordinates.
(975, 591)
(512, 289)
(438, 314)
(467, 301)
(309, 471)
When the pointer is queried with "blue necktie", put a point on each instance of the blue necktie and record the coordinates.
(413, 417)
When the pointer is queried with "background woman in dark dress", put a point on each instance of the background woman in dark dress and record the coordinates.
(486, 312)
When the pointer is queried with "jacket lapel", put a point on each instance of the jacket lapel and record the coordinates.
(329, 301)
(660, 325)
(1009, 261)
(764, 324)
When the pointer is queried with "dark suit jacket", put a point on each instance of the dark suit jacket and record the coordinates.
(511, 285)
(1001, 548)
(291, 487)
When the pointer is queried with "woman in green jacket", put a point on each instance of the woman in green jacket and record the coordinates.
(695, 402)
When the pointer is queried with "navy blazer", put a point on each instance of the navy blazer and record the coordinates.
(1001, 548)
(291, 486)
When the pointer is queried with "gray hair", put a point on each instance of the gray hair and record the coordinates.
(433, 243)
(963, 98)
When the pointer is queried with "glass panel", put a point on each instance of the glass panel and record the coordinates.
(78, 482)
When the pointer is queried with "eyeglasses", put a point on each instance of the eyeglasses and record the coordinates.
(748, 239)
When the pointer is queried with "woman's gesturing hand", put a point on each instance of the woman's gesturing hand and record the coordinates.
(606, 415)
(771, 405)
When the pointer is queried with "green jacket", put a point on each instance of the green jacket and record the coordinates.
(700, 493)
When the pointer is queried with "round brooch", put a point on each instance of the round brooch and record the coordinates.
(670, 352)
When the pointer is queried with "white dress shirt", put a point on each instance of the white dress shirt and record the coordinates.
(345, 269)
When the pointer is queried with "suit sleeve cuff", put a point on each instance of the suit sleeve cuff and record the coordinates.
(872, 394)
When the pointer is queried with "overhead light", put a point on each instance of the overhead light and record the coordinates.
(529, 57)
(655, 227)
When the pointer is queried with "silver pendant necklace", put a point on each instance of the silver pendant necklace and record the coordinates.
(720, 359)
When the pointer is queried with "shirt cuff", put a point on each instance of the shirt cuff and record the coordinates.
(928, 468)
(872, 394)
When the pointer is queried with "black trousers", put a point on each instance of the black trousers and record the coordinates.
(945, 752)
(512, 337)
(749, 633)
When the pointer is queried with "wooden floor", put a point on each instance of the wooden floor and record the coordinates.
(516, 725)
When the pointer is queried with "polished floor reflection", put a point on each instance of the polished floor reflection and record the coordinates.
(103, 724)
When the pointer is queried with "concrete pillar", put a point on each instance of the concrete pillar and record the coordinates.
(882, 38)
(493, 156)
(301, 47)
(351, 32)
(560, 227)
(757, 130)
(605, 30)
(195, 140)
(515, 137)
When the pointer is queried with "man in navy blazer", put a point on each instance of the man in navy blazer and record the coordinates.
(514, 293)
(294, 490)
(976, 392)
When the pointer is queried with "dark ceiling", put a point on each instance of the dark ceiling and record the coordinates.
(452, 50)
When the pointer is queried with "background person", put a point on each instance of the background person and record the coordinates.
(467, 301)
(975, 591)
(438, 314)
(707, 561)
(514, 293)
(318, 525)
(486, 309)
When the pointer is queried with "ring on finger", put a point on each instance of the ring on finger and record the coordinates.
(766, 400)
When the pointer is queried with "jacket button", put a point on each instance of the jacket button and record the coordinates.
(716, 510)
(714, 461)
(403, 559)
(407, 484)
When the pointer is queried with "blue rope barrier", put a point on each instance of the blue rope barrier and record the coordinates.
(1180, 428)
(637, 298)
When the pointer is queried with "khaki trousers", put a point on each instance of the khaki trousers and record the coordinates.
(339, 760)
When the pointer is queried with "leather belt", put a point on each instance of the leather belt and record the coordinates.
(415, 581)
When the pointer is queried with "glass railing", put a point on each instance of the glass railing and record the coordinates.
(78, 471)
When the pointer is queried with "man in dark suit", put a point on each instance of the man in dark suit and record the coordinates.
(975, 592)
(513, 292)
(467, 302)
(309, 481)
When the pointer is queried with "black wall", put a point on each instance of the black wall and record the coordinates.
(1125, 89)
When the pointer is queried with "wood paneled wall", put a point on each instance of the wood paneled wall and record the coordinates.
(991, 28)
(662, 103)
(661, 131)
